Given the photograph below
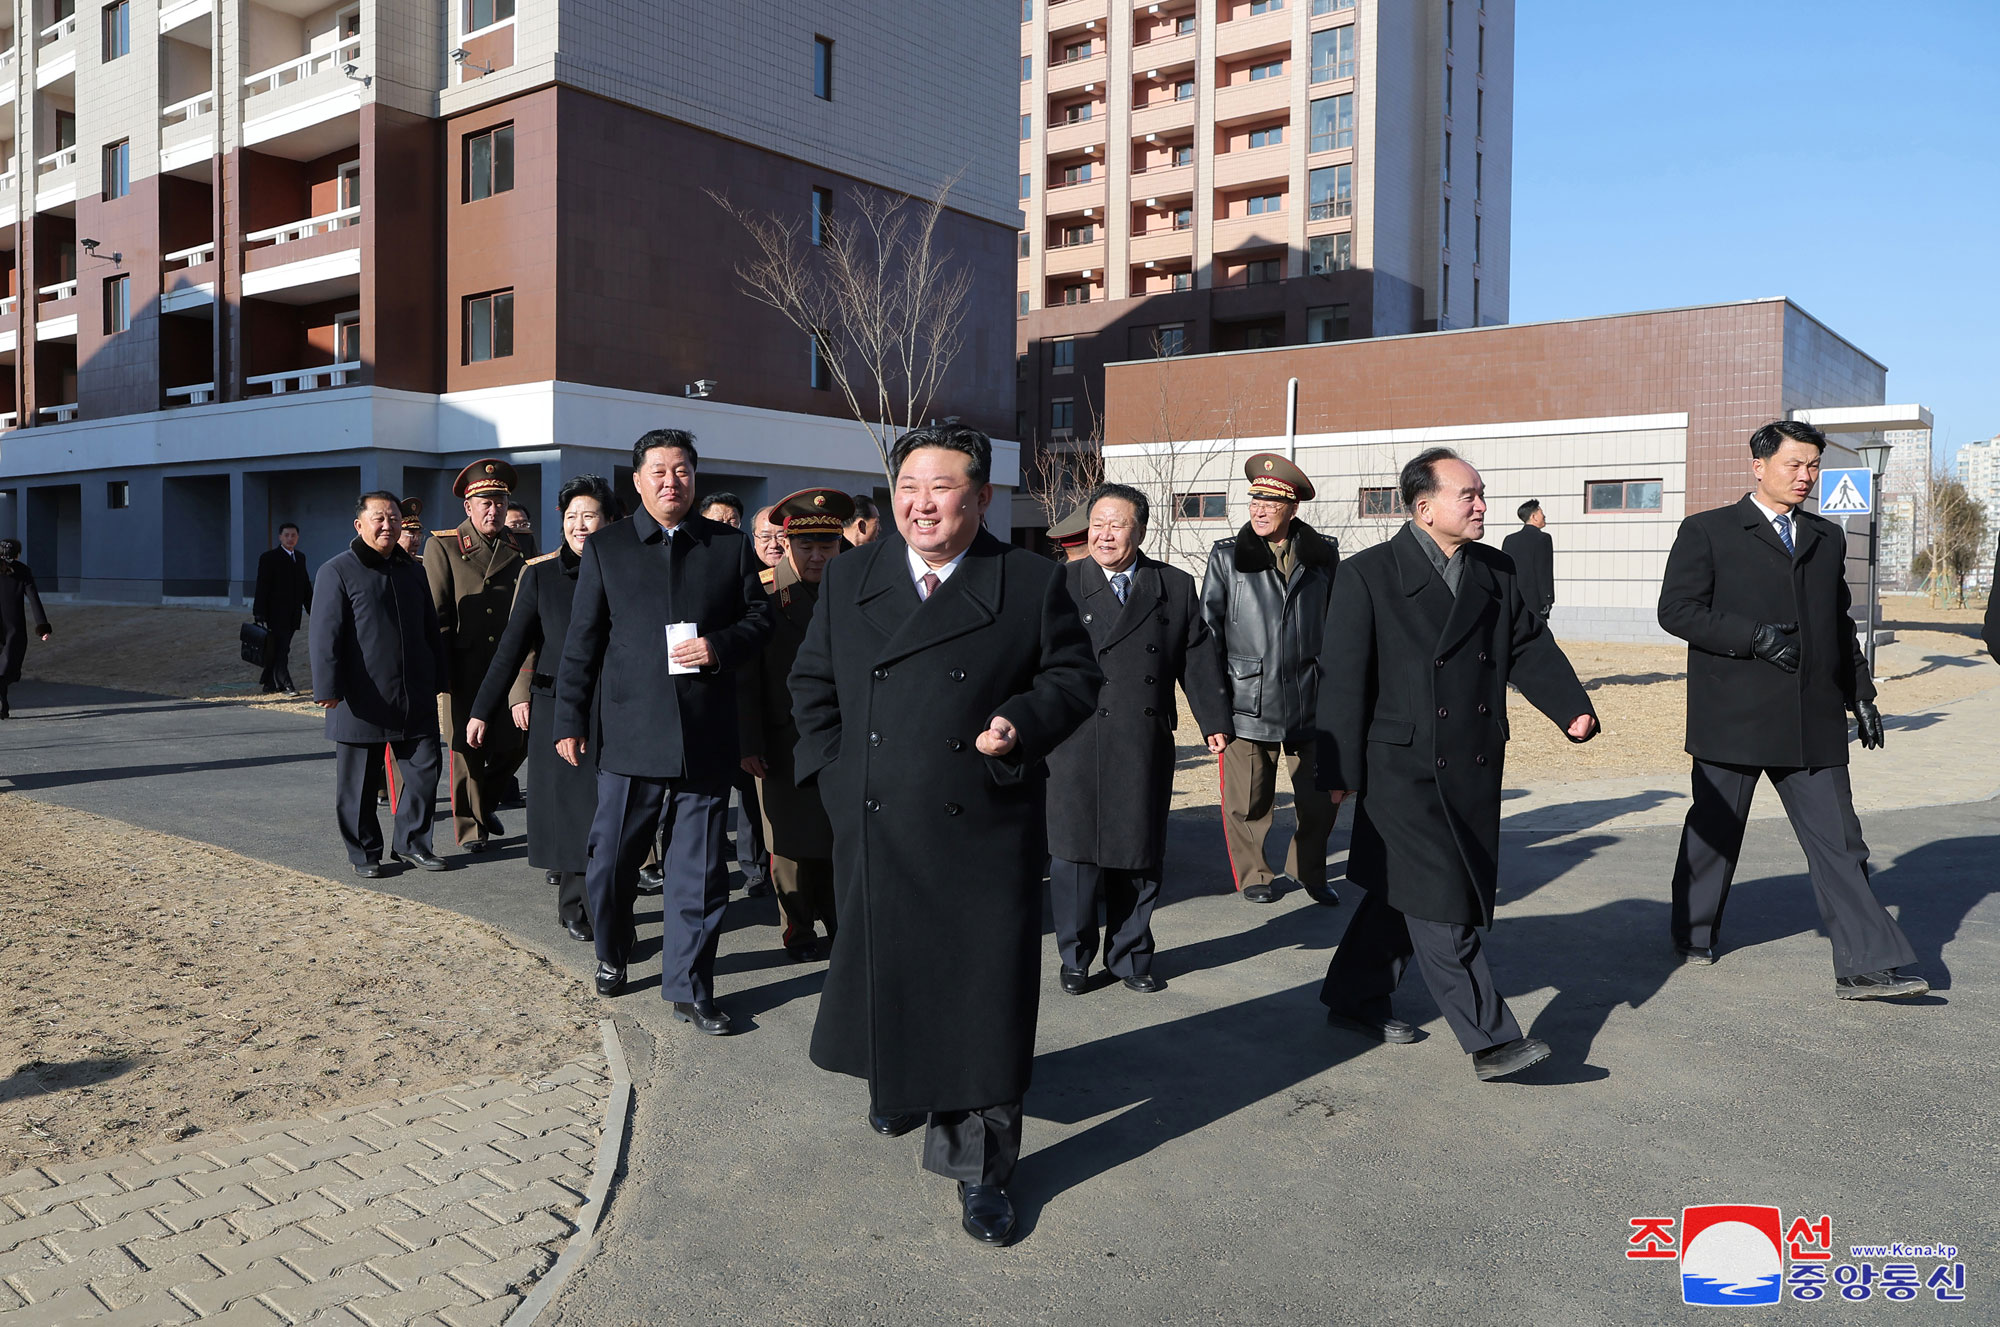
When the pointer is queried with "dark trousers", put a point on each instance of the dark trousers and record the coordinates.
(1129, 896)
(278, 673)
(631, 811)
(356, 778)
(1820, 805)
(569, 897)
(756, 863)
(974, 1146)
(1376, 951)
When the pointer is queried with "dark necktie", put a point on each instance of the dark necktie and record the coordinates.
(1784, 524)
(1120, 583)
(931, 583)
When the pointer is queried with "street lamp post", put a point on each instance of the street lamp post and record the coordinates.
(1874, 455)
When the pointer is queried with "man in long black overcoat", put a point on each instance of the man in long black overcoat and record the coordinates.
(20, 601)
(940, 670)
(1758, 590)
(284, 594)
(1423, 634)
(1111, 783)
(1534, 555)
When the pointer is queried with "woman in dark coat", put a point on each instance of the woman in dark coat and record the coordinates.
(561, 797)
(18, 598)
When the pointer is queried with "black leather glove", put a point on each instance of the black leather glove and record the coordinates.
(1868, 722)
(1773, 643)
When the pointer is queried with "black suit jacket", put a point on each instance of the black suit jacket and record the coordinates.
(284, 590)
(1729, 571)
(1534, 555)
(1413, 716)
(376, 647)
(629, 586)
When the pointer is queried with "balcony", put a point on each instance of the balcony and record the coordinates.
(60, 291)
(177, 14)
(187, 131)
(57, 414)
(1071, 75)
(1062, 260)
(1161, 244)
(289, 100)
(9, 420)
(1157, 187)
(1163, 53)
(303, 262)
(1162, 117)
(1241, 101)
(1232, 233)
(1252, 166)
(198, 394)
(187, 280)
(1272, 32)
(305, 380)
(55, 180)
(1067, 199)
(55, 312)
(55, 52)
(1077, 135)
(1068, 13)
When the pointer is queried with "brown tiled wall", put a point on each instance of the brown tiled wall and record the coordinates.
(402, 236)
(118, 374)
(508, 240)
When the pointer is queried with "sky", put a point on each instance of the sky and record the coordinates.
(1844, 154)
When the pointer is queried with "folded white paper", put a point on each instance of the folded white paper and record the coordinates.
(679, 633)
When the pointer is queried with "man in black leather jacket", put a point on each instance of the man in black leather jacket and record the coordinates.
(1265, 600)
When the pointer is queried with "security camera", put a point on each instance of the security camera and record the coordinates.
(700, 387)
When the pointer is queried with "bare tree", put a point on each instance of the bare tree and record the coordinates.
(1061, 472)
(883, 305)
(1180, 473)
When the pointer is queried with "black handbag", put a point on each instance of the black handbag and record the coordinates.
(256, 641)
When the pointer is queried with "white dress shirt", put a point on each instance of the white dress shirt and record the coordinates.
(1773, 517)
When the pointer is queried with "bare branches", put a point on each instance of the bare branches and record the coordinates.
(883, 305)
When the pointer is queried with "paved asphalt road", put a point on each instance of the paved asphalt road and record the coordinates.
(1215, 1152)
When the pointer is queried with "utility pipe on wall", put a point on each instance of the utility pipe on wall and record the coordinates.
(1291, 418)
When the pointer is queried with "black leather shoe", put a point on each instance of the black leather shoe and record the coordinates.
(580, 930)
(369, 870)
(1512, 1058)
(989, 1213)
(1381, 1026)
(610, 980)
(423, 861)
(1697, 955)
(1323, 893)
(1144, 981)
(493, 827)
(802, 951)
(1074, 980)
(707, 1019)
(476, 845)
(1265, 893)
(894, 1126)
(652, 879)
(553, 879)
(1887, 984)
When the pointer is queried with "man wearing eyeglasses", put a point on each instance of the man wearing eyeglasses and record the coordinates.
(1265, 599)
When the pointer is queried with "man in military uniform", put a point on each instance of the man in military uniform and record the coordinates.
(1071, 534)
(413, 527)
(795, 823)
(472, 571)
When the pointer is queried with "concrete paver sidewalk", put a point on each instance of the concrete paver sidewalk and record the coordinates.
(438, 1208)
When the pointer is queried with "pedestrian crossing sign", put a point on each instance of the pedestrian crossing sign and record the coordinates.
(1846, 492)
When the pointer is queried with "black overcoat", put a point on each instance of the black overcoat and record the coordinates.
(1413, 716)
(284, 590)
(376, 647)
(795, 823)
(937, 850)
(1110, 784)
(1729, 571)
(630, 586)
(19, 599)
(561, 797)
(1534, 555)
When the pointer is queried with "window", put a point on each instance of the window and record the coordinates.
(348, 23)
(1027, 67)
(823, 68)
(1183, 218)
(1062, 416)
(1382, 503)
(1329, 322)
(1333, 123)
(1333, 54)
(65, 128)
(1183, 155)
(1330, 253)
(1330, 192)
(489, 326)
(1447, 157)
(1183, 281)
(1444, 296)
(1080, 113)
(1075, 51)
(1021, 306)
(485, 13)
(1444, 226)
(1270, 69)
(1184, 90)
(118, 494)
(1027, 186)
(1329, 6)
(1450, 21)
(1475, 301)
(822, 213)
(1622, 495)
(822, 372)
(1171, 339)
(1259, 204)
(117, 304)
(1482, 48)
(1260, 270)
(1265, 6)
(347, 338)
(1078, 294)
(1027, 11)
(1184, 25)
(489, 162)
(1075, 235)
(1080, 173)
(1027, 127)
(347, 187)
(1202, 506)
(117, 30)
(1478, 175)
(1447, 91)
(118, 169)
(1267, 137)
(1027, 244)
(1062, 355)
(1478, 237)
(1479, 113)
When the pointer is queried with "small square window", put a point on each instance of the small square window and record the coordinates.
(1623, 495)
(1027, 127)
(823, 68)
(485, 13)
(1381, 504)
(1184, 25)
(1027, 186)
(1062, 417)
(1202, 506)
(489, 162)
(1171, 339)
(118, 169)
(489, 326)
(117, 30)
(117, 304)
(1027, 67)
(1020, 304)
(1329, 322)
(118, 494)
(1062, 354)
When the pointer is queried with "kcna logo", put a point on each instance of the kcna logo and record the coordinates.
(1730, 1253)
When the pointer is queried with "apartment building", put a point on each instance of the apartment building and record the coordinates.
(263, 254)
(1905, 485)
(1212, 175)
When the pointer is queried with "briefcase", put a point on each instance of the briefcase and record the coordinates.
(256, 639)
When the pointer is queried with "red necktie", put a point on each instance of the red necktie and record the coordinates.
(931, 582)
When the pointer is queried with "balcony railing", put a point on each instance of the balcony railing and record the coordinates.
(292, 71)
(8, 180)
(199, 394)
(195, 257)
(9, 419)
(1330, 209)
(8, 305)
(56, 31)
(60, 159)
(298, 230)
(57, 414)
(61, 290)
(194, 107)
(1326, 73)
(305, 380)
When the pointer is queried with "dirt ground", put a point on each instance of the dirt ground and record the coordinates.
(160, 987)
(168, 650)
